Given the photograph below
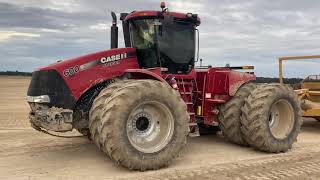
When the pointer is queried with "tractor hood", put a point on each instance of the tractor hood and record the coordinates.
(86, 61)
(67, 80)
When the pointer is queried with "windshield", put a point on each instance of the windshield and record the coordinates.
(143, 38)
(173, 44)
(143, 33)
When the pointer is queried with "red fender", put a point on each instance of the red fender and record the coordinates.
(144, 74)
(237, 79)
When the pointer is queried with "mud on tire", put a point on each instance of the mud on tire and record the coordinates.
(230, 112)
(123, 116)
(271, 118)
(97, 109)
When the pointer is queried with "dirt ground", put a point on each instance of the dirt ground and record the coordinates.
(28, 154)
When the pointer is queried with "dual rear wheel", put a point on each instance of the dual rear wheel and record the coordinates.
(264, 116)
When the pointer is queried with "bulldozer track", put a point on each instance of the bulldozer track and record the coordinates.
(293, 165)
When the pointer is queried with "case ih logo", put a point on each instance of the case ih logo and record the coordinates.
(71, 71)
(105, 61)
(113, 58)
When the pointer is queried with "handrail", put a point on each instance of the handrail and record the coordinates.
(281, 59)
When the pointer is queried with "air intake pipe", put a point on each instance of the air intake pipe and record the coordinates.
(114, 31)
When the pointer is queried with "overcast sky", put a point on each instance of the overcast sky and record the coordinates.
(35, 33)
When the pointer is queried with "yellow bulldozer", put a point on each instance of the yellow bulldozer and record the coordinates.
(308, 89)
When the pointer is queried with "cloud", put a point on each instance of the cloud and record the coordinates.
(7, 35)
(28, 17)
(48, 18)
(186, 6)
(100, 26)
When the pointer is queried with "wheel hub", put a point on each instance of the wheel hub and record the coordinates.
(281, 119)
(142, 122)
(150, 127)
(273, 117)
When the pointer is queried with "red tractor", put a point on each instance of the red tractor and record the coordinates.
(139, 103)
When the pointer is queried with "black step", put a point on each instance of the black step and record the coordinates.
(185, 93)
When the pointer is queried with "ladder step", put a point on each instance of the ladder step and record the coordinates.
(193, 124)
(192, 113)
(189, 103)
(187, 93)
(217, 101)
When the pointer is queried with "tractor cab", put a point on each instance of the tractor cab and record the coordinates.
(162, 38)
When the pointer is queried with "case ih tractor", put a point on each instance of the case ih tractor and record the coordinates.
(139, 103)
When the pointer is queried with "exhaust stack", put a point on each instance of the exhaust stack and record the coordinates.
(114, 31)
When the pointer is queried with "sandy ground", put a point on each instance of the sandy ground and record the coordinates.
(28, 154)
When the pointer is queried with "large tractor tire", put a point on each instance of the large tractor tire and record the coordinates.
(271, 118)
(230, 112)
(141, 124)
(97, 108)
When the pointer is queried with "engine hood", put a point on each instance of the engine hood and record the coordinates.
(82, 73)
(83, 60)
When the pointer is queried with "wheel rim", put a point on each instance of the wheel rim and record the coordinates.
(281, 119)
(150, 127)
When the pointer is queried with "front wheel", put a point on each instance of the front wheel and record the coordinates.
(271, 118)
(143, 124)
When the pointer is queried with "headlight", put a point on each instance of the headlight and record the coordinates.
(38, 99)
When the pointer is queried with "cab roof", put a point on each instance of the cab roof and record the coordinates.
(150, 14)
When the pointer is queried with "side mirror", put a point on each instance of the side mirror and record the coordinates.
(123, 16)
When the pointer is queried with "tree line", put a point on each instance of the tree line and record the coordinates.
(15, 73)
(276, 80)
